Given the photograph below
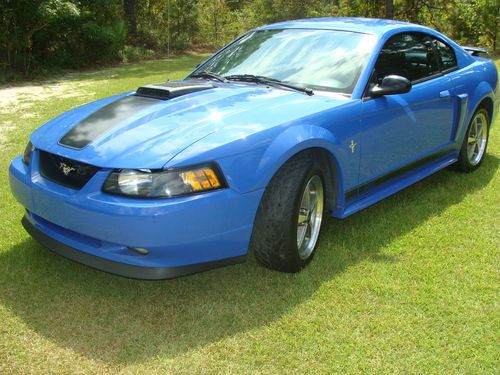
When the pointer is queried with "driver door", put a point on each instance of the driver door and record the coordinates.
(398, 130)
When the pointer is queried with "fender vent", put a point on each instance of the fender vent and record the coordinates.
(170, 90)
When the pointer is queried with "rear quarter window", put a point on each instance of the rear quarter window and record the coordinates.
(446, 55)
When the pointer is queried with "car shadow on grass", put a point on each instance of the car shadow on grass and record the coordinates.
(123, 321)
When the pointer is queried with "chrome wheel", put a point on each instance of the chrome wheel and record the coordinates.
(310, 216)
(477, 138)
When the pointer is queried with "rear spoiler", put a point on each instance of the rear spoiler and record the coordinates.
(476, 51)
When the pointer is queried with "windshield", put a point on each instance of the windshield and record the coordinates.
(320, 59)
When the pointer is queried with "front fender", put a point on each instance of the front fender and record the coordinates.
(251, 160)
(291, 142)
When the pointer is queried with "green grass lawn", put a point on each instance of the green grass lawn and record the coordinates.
(408, 286)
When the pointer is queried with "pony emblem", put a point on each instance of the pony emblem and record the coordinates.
(65, 168)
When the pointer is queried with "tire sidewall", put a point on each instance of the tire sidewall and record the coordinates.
(274, 235)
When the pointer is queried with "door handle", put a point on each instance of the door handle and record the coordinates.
(444, 94)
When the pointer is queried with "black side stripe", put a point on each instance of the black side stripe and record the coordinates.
(352, 193)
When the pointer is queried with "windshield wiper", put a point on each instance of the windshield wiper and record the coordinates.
(268, 81)
(205, 74)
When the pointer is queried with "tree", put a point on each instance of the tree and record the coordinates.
(475, 22)
(389, 9)
(130, 12)
(213, 22)
(40, 34)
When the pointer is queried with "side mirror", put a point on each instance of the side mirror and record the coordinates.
(391, 85)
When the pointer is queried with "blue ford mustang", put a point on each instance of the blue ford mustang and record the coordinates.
(286, 123)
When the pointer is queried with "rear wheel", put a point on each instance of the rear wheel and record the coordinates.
(289, 218)
(475, 142)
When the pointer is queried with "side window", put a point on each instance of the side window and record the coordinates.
(409, 55)
(446, 55)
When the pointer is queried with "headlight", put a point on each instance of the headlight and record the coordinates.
(27, 153)
(164, 184)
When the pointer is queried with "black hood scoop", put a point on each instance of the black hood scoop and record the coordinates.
(170, 90)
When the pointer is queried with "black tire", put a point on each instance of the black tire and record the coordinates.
(274, 236)
(464, 164)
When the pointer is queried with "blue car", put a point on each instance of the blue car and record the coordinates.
(288, 123)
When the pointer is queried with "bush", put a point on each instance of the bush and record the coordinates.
(149, 38)
(134, 54)
(100, 43)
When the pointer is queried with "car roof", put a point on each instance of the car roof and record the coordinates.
(355, 24)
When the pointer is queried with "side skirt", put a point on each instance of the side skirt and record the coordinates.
(375, 191)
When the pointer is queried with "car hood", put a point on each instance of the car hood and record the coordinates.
(127, 131)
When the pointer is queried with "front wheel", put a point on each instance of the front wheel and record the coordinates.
(289, 218)
(310, 216)
(475, 142)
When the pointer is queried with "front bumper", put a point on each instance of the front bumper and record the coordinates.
(182, 235)
(122, 269)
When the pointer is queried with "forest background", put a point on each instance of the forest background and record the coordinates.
(43, 36)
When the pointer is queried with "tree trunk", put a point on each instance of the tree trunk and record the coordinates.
(130, 11)
(389, 9)
(216, 25)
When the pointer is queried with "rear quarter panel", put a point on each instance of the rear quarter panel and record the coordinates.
(478, 81)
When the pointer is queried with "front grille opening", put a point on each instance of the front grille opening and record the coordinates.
(63, 171)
